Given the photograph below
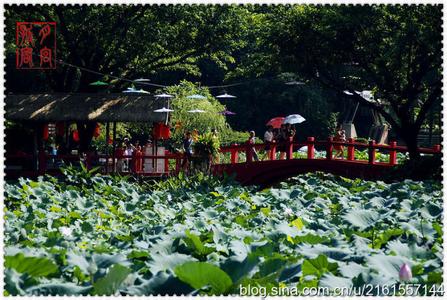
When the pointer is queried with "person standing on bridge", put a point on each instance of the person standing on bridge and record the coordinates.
(252, 141)
(269, 140)
(339, 137)
(290, 132)
(281, 138)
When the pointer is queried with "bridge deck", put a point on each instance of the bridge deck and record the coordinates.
(240, 162)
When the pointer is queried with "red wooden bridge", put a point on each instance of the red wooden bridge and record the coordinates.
(238, 160)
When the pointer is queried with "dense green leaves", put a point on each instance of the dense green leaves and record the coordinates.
(318, 266)
(198, 235)
(33, 266)
(109, 284)
(200, 275)
(362, 218)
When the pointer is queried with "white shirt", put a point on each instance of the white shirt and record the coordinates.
(268, 136)
(128, 152)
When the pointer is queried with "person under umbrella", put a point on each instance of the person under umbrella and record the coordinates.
(281, 138)
(276, 122)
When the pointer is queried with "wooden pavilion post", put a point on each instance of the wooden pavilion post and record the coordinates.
(107, 146)
(67, 136)
(36, 149)
(114, 147)
(41, 156)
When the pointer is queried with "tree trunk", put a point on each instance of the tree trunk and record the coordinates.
(86, 130)
(410, 138)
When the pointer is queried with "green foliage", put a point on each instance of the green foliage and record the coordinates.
(203, 122)
(206, 145)
(110, 283)
(133, 41)
(33, 266)
(318, 266)
(394, 51)
(425, 167)
(199, 235)
(204, 275)
(332, 123)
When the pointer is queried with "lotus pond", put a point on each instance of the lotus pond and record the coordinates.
(96, 235)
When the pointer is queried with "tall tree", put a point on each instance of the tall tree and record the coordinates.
(126, 41)
(395, 51)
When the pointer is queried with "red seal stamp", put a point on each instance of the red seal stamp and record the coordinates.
(36, 45)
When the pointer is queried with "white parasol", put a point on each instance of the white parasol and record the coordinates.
(163, 110)
(142, 80)
(226, 96)
(164, 96)
(294, 119)
(132, 90)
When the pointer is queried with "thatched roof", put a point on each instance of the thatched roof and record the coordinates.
(83, 107)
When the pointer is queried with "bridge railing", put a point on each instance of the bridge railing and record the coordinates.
(139, 164)
(245, 153)
(170, 164)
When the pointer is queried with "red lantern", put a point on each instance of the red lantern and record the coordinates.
(45, 132)
(76, 136)
(60, 128)
(161, 131)
(165, 132)
(97, 131)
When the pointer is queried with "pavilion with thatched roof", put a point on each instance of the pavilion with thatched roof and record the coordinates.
(83, 107)
(37, 110)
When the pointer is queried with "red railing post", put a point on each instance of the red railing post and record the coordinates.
(138, 161)
(272, 151)
(42, 162)
(234, 155)
(329, 148)
(249, 153)
(372, 152)
(133, 162)
(393, 153)
(289, 149)
(310, 147)
(351, 149)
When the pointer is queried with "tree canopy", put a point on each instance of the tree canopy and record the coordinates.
(394, 51)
